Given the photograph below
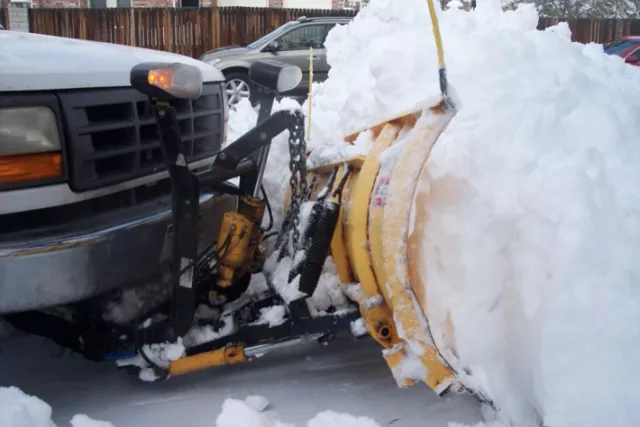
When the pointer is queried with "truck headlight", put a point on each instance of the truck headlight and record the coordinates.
(25, 130)
(29, 145)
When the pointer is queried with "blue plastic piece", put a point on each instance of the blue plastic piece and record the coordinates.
(125, 355)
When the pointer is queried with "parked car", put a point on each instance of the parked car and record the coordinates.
(289, 43)
(85, 205)
(627, 48)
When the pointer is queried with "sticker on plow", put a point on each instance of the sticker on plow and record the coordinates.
(381, 192)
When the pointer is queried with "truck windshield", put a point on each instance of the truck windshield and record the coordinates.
(273, 33)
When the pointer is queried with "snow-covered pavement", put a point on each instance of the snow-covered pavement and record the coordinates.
(345, 376)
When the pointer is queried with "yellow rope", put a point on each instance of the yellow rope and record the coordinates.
(310, 90)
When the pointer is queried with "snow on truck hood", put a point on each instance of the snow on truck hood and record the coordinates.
(38, 62)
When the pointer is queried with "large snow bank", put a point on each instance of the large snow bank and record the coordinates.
(533, 236)
(533, 251)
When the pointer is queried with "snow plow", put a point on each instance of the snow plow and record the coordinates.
(363, 212)
(352, 236)
(345, 209)
(359, 211)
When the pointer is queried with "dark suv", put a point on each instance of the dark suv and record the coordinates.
(289, 43)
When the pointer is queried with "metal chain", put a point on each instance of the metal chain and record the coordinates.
(298, 168)
(299, 187)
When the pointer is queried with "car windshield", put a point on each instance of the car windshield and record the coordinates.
(616, 47)
(275, 32)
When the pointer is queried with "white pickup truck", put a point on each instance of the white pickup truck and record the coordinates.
(85, 203)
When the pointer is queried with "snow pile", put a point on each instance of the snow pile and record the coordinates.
(329, 292)
(236, 413)
(201, 334)
(257, 402)
(359, 328)
(335, 419)
(532, 243)
(82, 420)
(455, 4)
(18, 409)
(274, 315)
(278, 272)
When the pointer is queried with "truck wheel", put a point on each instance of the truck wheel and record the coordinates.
(238, 86)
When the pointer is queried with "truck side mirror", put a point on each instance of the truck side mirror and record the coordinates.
(272, 47)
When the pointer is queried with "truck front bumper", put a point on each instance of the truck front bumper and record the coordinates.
(52, 267)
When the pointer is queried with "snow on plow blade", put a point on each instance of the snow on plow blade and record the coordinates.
(371, 245)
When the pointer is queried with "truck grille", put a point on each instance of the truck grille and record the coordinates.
(112, 136)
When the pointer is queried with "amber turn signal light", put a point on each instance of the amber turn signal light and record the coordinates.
(163, 78)
(167, 81)
(30, 167)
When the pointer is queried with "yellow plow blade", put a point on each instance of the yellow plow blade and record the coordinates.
(375, 247)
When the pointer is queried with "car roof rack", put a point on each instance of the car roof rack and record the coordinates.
(323, 18)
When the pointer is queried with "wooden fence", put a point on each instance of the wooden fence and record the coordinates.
(188, 31)
(4, 17)
(193, 31)
(595, 30)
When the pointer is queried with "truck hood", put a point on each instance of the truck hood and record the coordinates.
(37, 62)
(224, 52)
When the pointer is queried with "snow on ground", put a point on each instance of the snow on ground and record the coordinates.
(534, 223)
(257, 402)
(299, 383)
(236, 413)
(18, 409)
